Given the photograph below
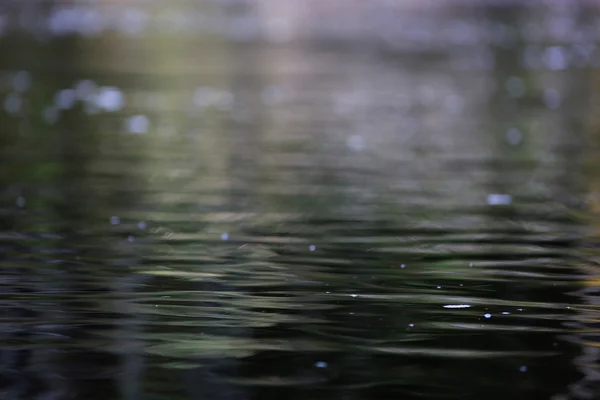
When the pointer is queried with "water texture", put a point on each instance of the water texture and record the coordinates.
(256, 200)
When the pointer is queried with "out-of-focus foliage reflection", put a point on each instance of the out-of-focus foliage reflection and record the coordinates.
(299, 199)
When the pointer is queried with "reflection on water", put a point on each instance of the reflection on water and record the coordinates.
(192, 210)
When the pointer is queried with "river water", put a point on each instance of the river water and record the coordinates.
(187, 214)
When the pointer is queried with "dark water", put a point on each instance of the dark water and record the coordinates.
(188, 213)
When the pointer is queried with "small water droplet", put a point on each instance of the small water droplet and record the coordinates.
(555, 58)
(224, 236)
(312, 247)
(513, 136)
(355, 143)
(488, 315)
(321, 364)
(21, 202)
(523, 368)
(551, 98)
(457, 306)
(411, 325)
(403, 266)
(115, 220)
(141, 225)
(137, 124)
(130, 239)
(65, 99)
(110, 98)
(496, 199)
(84, 89)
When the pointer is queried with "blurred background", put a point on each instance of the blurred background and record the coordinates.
(300, 199)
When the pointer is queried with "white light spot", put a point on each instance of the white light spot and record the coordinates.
(403, 266)
(110, 98)
(515, 87)
(321, 364)
(115, 220)
(555, 58)
(499, 199)
(65, 99)
(64, 20)
(411, 325)
(355, 143)
(224, 236)
(457, 306)
(523, 368)
(141, 225)
(21, 81)
(514, 137)
(353, 295)
(505, 313)
(12, 103)
(552, 98)
(439, 287)
(138, 124)
(312, 247)
(488, 315)
(21, 202)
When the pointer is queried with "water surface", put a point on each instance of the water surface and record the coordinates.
(211, 214)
